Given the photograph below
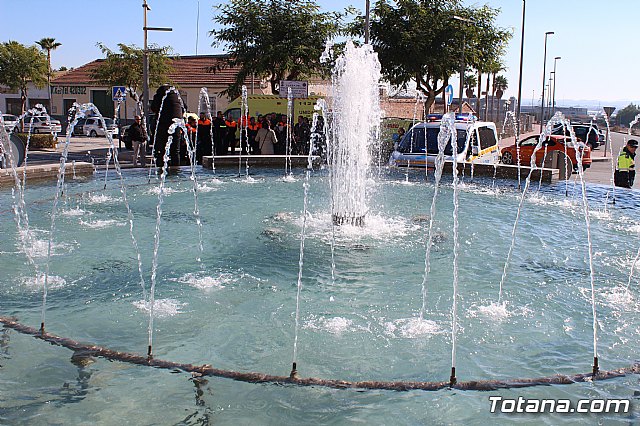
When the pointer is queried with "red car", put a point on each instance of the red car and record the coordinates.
(508, 155)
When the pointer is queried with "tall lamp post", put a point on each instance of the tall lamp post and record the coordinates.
(462, 62)
(145, 62)
(555, 81)
(544, 75)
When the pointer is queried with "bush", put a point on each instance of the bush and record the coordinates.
(38, 141)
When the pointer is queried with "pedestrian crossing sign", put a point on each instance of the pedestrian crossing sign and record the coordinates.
(119, 93)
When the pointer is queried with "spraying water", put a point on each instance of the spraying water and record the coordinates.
(445, 134)
(204, 100)
(302, 238)
(510, 117)
(356, 113)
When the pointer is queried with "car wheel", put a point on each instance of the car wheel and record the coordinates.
(93, 134)
(507, 158)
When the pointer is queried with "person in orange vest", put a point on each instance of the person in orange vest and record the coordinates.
(205, 142)
(192, 128)
(230, 137)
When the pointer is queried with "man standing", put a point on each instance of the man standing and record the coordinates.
(138, 137)
(625, 171)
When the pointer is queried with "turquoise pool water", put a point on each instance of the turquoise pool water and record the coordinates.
(236, 309)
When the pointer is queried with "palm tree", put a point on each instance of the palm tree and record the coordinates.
(48, 44)
(500, 85)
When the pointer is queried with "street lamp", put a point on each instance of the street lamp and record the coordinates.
(462, 64)
(145, 62)
(544, 75)
(555, 80)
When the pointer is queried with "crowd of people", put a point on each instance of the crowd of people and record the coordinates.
(269, 134)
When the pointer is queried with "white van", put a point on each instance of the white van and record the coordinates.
(419, 146)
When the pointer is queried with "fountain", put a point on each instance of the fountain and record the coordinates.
(255, 269)
(355, 121)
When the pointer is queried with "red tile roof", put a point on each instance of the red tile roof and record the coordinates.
(187, 71)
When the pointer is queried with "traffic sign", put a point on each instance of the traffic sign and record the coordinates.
(609, 110)
(448, 92)
(299, 89)
(119, 93)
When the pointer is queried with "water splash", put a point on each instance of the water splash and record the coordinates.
(204, 101)
(303, 234)
(356, 113)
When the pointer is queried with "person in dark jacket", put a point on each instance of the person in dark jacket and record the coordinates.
(138, 138)
(625, 171)
(168, 110)
(219, 132)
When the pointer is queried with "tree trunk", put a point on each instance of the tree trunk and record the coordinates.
(479, 93)
(493, 97)
(486, 99)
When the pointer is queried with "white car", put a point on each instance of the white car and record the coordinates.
(40, 124)
(93, 127)
(477, 142)
(10, 121)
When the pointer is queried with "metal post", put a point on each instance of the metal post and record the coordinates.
(544, 72)
(145, 63)
(145, 67)
(462, 68)
(366, 23)
(462, 62)
(524, 7)
(555, 80)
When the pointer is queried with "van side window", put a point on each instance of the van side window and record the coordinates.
(412, 142)
(487, 137)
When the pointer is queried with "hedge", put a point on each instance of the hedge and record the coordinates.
(38, 141)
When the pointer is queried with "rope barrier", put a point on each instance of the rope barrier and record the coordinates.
(87, 350)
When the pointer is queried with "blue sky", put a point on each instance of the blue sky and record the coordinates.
(594, 38)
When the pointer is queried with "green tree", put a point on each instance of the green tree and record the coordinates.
(500, 84)
(20, 65)
(124, 68)
(419, 40)
(48, 44)
(627, 114)
(273, 39)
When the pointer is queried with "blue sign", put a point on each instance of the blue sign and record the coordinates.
(119, 93)
(449, 94)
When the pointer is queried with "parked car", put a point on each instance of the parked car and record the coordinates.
(587, 133)
(78, 130)
(476, 141)
(40, 124)
(93, 127)
(10, 121)
(508, 155)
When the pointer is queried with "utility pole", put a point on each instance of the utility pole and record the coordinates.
(555, 79)
(544, 77)
(145, 62)
(463, 66)
(518, 111)
(366, 23)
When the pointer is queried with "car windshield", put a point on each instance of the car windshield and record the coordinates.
(414, 141)
(9, 117)
(108, 121)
